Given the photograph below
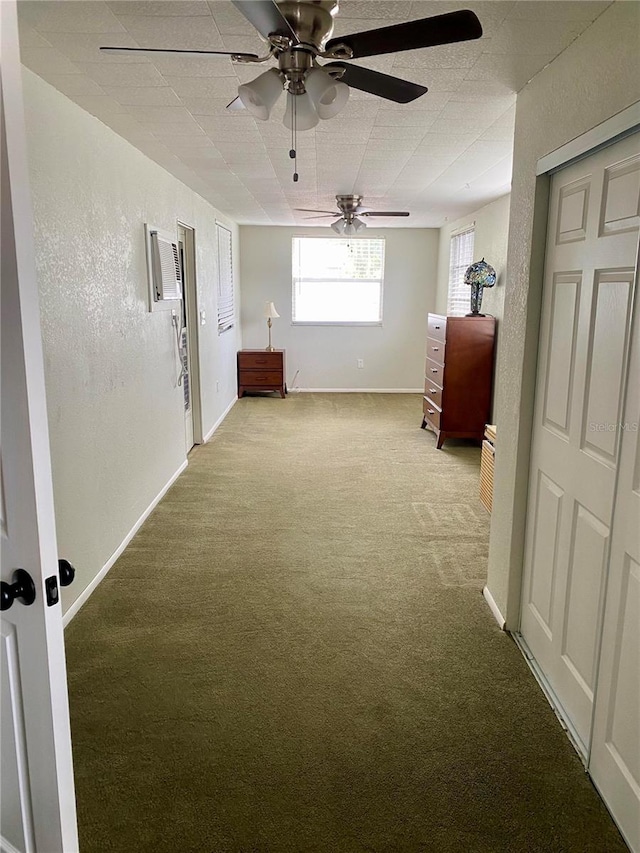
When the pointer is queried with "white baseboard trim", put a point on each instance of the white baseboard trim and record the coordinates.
(86, 593)
(358, 390)
(220, 419)
(493, 607)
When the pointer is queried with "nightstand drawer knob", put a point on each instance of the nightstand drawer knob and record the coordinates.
(431, 412)
(437, 327)
(432, 391)
(433, 369)
(436, 349)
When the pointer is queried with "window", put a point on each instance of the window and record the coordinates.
(337, 280)
(460, 258)
(226, 307)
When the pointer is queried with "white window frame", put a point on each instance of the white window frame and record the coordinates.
(295, 322)
(460, 258)
(225, 289)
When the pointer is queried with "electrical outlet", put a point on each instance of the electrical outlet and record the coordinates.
(360, 363)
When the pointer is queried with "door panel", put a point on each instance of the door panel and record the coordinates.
(615, 754)
(584, 348)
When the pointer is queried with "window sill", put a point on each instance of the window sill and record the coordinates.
(336, 323)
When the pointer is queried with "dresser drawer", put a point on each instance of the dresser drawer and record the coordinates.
(434, 372)
(437, 327)
(432, 413)
(260, 360)
(433, 393)
(435, 350)
(252, 378)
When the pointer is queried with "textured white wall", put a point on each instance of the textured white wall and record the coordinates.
(490, 243)
(326, 356)
(115, 411)
(593, 79)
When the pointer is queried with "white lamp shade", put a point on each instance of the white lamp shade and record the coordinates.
(328, 95)
(339, 226)
(353, 227)
(260, 95)
(306, 115)
(270, 311)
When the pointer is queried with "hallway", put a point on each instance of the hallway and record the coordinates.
(293, 654)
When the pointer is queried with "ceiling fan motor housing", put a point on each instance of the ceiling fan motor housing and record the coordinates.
(311, 21)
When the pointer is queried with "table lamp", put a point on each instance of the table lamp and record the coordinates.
(270, 313)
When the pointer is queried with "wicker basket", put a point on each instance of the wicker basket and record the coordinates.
(487, 463)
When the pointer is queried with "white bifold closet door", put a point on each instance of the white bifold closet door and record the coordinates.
(581, 588)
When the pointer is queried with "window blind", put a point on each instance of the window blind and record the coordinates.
(226, 306)
(337, 280)
(460, 258)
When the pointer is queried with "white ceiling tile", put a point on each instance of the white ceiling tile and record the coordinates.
(144, 96)
(203, 87)
(166, 115)
(557, 10)
(175, 65)
(74, 84)
(247, 43)
(454, 56)
(29, 37)
(86, 47)
(525, 37)
(117, 74)
(410, 118)
(396, 10)
(79, 16)
(228, 19)
(163, 8)
(206, 106)
(514, 70)
(43, 60)
(100, 105)
(186, 33)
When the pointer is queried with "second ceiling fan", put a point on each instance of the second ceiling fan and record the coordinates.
(351, 213)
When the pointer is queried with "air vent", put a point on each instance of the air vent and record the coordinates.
(167, 276)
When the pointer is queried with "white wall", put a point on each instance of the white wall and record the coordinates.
(326, 356)
(115, 410)
(490, 243)
(593, 79)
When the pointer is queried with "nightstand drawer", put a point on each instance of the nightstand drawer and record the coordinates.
(435, 350)
(260, 360)
(260, 377)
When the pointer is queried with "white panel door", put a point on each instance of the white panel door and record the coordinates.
(583, 359)
(38, 804)
(615, 753)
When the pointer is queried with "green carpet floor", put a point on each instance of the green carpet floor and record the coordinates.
(293, 654)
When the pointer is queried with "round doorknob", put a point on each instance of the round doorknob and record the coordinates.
(66, 571)
(23, 589)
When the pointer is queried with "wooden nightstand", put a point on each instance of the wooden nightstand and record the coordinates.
(261, 370)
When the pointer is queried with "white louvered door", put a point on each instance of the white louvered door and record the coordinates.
(585, 338)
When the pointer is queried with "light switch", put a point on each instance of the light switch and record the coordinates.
(203, 318)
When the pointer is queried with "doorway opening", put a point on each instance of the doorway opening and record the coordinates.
(188, 338)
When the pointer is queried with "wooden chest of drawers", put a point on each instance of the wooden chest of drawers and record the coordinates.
(458, 376)
(261, 370)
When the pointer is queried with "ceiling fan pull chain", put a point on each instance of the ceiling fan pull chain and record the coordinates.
(294, 140)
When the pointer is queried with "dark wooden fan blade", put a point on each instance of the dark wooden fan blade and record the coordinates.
(427, 32)
(322, 212)
(125, 50)
(391, 88)
(384, 213)
(266, 18)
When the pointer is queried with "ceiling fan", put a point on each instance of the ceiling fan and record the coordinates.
(351, 211)
(298, 32)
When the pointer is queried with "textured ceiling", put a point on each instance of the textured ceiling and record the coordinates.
(439, 157)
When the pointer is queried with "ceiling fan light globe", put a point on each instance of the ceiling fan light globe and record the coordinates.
(306, 115)
(329, 96)
(358, 224)
(339, 226)
(260, 95)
